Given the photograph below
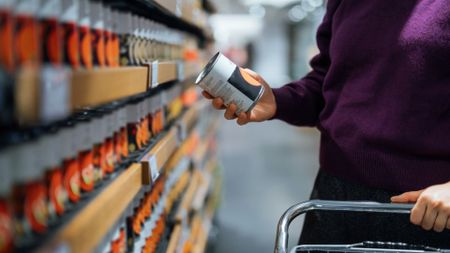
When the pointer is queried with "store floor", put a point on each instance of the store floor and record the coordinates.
(267, 168)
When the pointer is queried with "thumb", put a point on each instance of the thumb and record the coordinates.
(254, 75)
(407, 197)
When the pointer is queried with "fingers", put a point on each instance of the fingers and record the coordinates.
(418, 211)
(429, 218)
(243, 119)
(207, 95)
(254, 75)
(440, 222)
(407, 197)
(230, 112)
(218, 104)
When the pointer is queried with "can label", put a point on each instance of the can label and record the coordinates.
(56, 192)
(86, 170)
(72, 179)
(222, 78)
(6, 227)
(6, 40)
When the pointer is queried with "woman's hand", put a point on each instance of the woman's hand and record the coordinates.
(432, 208)
(263, 110)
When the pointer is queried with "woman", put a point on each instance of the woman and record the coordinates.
(379, 92)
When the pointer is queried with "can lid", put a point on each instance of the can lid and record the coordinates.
(107, 18)
(26, 7)
(6, 170)
(207, 68)
(6, 4)
(85, 13)
(70, 11)
(50, 9)
(96, 14)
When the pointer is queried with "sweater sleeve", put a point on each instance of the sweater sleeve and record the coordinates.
(300, 102)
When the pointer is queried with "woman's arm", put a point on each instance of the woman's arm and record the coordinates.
(299, 102)
(432, 208)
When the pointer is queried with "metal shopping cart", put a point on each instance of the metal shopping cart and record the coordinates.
(281, 243)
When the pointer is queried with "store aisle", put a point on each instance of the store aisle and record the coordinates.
(267, 167)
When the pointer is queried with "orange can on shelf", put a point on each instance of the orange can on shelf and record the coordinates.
(107, 35)
(29, 191)
(26, 32)
(6, 35)
(50, 31)
(71, 166)
(54, 177)
(85, 37)
(85, 154)
(97, 33)
(70, 36)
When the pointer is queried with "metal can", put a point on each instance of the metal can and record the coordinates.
(222, 78)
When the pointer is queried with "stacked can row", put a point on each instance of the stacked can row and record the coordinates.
(144, 225)
(81, 33)
(45, 172)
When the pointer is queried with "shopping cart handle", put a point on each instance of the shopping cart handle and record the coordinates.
(281, 242)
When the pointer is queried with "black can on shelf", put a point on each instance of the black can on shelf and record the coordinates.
(222, 78)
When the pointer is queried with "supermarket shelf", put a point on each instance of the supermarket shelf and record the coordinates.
(153, 10)
(200, 152)
(185, 204)
(167, 71)
(89, 88)
(199, 199)
(79, 235)
(174, 239)
(157, 157)
(103, 85)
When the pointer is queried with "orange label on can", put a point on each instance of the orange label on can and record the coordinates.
(110, 161)
(71, 45)
(85, 47)
(108, 48)
(56, 192)
(51, 41)
(98, 47)
(115, 49)
(26, 40)
(6, 40)
(117, 147)
(6, 228)
(86, 171)
(72, 180)
(124, 141)
(35, 207)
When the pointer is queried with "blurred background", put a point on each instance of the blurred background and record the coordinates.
(267, 166)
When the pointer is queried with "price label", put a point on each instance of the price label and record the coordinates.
(154, 171)
(154, 73)
(54, 93)
(180, 70)
(182, 131)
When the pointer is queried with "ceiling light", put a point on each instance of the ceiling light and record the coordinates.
(257, 10)
(297, 13)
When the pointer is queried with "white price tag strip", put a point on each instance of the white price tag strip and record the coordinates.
(155, 73)
(182, 132)
(154, 171)
(180, 70)
(55, 97)
(149, 66)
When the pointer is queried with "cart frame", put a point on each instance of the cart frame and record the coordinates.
(281, 242)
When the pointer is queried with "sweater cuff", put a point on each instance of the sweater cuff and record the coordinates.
(282, 97)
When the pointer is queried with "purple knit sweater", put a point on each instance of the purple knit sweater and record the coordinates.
(379, 92)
